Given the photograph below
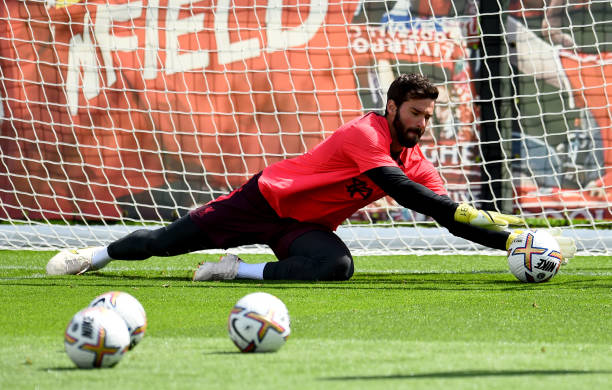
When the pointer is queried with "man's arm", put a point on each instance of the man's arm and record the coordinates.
(552, 24)
(421, 199)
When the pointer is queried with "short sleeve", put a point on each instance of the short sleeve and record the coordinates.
(430, 178)
(368, 147)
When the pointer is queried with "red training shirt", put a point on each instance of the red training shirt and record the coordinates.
(327, 184)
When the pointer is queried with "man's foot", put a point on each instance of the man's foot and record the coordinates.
(71, 262)
(225, 269)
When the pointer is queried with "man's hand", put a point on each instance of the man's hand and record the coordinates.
(491, 220)
(567, 245)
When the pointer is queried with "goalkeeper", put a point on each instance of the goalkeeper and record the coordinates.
(295, 205)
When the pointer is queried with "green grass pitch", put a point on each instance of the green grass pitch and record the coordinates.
(429, 322)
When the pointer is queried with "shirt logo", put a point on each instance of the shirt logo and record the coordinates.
(359, 187)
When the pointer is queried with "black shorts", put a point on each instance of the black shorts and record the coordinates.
(245, 217)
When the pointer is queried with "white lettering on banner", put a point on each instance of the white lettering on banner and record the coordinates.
(83, 59)
(452, 154)
(1, 110)
(279, 38)
(106, 14)
(422, 42)
(151, 41)
(176, 27)
(82, 53)
(231, 52)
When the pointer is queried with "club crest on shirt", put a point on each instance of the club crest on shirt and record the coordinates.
(359, 187)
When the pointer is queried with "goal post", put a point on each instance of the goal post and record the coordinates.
(118, 114)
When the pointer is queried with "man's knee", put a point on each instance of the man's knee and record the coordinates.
(340, 269)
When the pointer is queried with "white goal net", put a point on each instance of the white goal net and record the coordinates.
(119, 114)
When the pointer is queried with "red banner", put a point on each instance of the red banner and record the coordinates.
(138, 108)
(112, 99)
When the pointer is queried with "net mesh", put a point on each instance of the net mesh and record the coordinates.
(121, 114)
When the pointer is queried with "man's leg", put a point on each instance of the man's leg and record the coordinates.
(181, 236)
(315, 255)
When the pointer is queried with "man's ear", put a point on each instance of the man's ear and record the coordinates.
(391, 107)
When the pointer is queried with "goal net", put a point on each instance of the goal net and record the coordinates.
(119, 114)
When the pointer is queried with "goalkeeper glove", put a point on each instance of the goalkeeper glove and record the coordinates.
(491, 220)
(567, 245)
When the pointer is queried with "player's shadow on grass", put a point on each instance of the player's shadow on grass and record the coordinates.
(409, 285)
(127, 276)
(471, 281)
(468, 374)
(361, 281)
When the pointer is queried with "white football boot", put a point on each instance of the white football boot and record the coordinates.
(225, 269)
(71, 261)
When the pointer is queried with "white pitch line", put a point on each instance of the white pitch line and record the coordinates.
(35, 276)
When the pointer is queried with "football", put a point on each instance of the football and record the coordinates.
(129, 309)
(259, 322)
(534, 256)
(96, 337)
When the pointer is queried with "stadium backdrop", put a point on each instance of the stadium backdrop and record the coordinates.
(114, 108)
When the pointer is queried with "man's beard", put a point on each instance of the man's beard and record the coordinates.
(402, 133)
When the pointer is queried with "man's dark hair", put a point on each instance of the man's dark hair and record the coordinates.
(411, 86)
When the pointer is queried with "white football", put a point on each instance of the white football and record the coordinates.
(259, 322)
(129, 309)
(96, 337)
(534, 256)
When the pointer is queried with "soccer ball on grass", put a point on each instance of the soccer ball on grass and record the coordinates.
(534, 256)
(259, 322)
(96, 337)
(129, 309)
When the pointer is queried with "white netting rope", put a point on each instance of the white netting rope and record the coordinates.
(117, 115)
